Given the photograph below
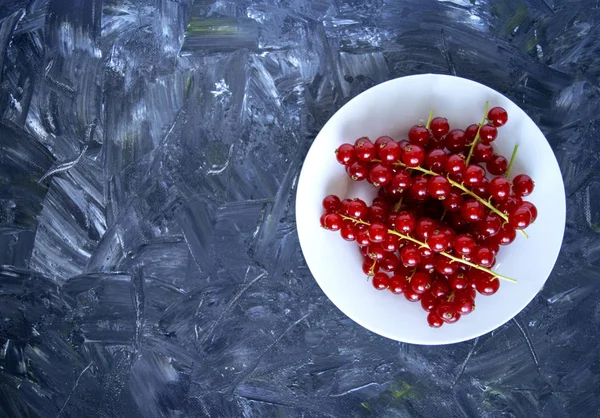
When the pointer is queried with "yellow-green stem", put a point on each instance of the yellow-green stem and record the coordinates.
(512, 161)
(445, 254)
(485, 112)
(429, 119)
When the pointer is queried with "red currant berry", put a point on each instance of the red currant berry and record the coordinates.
(419, 135)
(497, 116)
(488, 133)
(382, 140)
(419, 189)
(509, 205)
(427, 263)
(471, 133)
(437, 143)
(482, 189)
(439, 288)
(365, 150)
(472, 211)
(377, 232)
(499, 188)
(333, 222)
(390, 263)
(370, 267)
(438, 241)
(428, 302)
(450, 234)
(444, 265)
(358, 171)
(411, 295)
(348, 232)
(464, 306)
(397, 285)
(409, 255)
(424, 228)
(413, 155)
(455, 164)
(439, 127)
(484, 256)
(447, 312)
(490, 226)
(380, 281)
(520, 218)
(522, 185)
(482, 153)
(506, 235)
(456, 141)
(497, 165)
(358, 209)
(389, 152)
(375, 252)
(436, 159)
(434, 320)
(458, 280)
(380, 174)
(402, 180)
(473, 175)
(453, 202)
(345, 154)
(456, 221)
(377, 213)
(485, 283)
(362, 236)
(344, 206)
(404, 272)
(331, 203)
(438, 187)
(492, 244)
(532, 210)
(391, 243)
(405, 223)
(420, 282)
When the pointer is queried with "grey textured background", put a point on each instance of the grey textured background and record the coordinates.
(149, 263)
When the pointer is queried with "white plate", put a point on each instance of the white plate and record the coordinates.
(391, 108)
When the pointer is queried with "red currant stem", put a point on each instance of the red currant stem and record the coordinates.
(445, 254)
(476, 140)
(443, 215)
(398, 205)
(372, 269)
(512, 161)
(430, 119)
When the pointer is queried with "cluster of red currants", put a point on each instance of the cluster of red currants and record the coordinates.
(439, 220)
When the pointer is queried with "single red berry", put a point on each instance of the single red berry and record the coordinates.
(397, 284)
(509, 205)
(358, 170)
(405, 223)
(488, 133)
(365, 150)
(506, 235)
(375, 252)
(404, 272)
(471, 133)
(439, 127)
(485, 283)
(438, 241)
(362, 236)
(490, 226)
(411, 295)
(456, 141)
(473, 175)
(455, 164)
(377, 231)
(390, 243)
(420, 282)
(434, 320)
(413, 155)
(492, 244)
(458, 280)
(424, 228)
(522, 185)
(464, 306)
(456, 221)
(382, 140)
(384, 202)
(390, 263)
(437, 142)
(358, 209)
(484, 256)
(370, 267)
(438, 187)
(482, 189)
(345, 154)
(453, 202)
(428, 302)
(520, 218)
(532, 210)
(427, 263)
(482, 153)
(419, 135)
(409, 255)
(444, 265)
(344, 206)
(389, 152)
(348, 231)
(377, 213)
(333, 221)
(436, 159)
(331, 203)
(380, 281)
(499, 188)
(497, 116)
(450, 235)
(380, 174)
(447, 312)
(439, 288)
(472, 211)
(497, 165)
(419, 189)
(402, 180)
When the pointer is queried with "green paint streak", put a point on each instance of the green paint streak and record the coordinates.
(519, 17)
(596, 228)
(212, 26)
(365, 405)
(402, 391)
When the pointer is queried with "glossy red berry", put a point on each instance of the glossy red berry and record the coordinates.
(458, 280)
(409, 255)
(532, 210)
(420, 282)
(390, 263)
(413, 155)
(471, 133)
(439, 127)
(455, 164)
(453, 201)
(348, 231)
(362, 236)
(436, 159)
(497, 116)
(382, 140)
(439, 288)
(345, 154)
(365, 150)
(390, 243)
(419, 135)
(438, 241)
(482, 153)
(438, 187)
(447, 312)
(419, 189)
(331, 203)
(509, 205)
(497, 165)
(428, 302)
(434, 320)
(499, 188)
(424, 228)
(520, 218)
(411, 295)
(358, 209)
(488, 133)
(484, 256)
(522, 185)
(380, 174)
(490, 226)
(397, 284)
(482, 189)
(370, 267)
(485, 283)
(506, 235)
(380, 281)
(456, 141)
(405, 223)
(375, 252)
(473, 175)
(358, 170)
(377, 231)
(472, 211)
(389, 152)
(464, 306)
(444, 265)
(332, 222)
